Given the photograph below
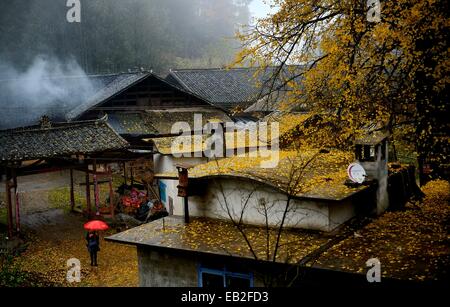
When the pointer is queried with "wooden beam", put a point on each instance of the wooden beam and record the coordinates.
(16, 200)
(186, 210)
(72, 194)
(96, 196)
(131, 175)
(125, 172)
(111, 192)
(9, 206)
(88, 195)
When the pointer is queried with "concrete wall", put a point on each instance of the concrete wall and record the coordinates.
(175, 269)
(166, 163)
(378, 170)
(158, 269)
(306, 214)
(341, 212)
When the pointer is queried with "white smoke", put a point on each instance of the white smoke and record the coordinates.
(47, 87)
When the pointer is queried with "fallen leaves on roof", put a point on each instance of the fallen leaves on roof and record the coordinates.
(222, 237)
(163, 120)
(410, 244)
(201, 143)
(305, 173)
(132, 123)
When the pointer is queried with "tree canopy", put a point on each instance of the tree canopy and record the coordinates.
(361, 73)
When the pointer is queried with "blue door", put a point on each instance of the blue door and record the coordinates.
(162, 192)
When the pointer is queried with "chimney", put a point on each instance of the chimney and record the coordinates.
(45, 122)
(372, 153)
(183, 188)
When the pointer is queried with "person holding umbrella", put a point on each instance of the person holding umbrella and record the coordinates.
(92, 238)
(93, 246)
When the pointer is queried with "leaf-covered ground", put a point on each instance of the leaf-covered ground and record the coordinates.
(411, 244)
(52, 244)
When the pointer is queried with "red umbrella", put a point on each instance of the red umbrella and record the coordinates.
(96, 225)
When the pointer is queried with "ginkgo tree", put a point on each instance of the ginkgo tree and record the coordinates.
(361, 73)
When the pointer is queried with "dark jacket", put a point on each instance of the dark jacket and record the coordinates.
(93, 242)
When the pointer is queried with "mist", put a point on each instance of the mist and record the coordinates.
(45, 60)
(116, 35)
(48, 86)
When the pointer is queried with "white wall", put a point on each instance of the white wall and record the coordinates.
(306, 214)
(378, 170)
(166, 163)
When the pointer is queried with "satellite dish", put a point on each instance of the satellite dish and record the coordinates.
(356, 173)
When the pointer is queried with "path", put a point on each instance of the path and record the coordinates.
(57, 236)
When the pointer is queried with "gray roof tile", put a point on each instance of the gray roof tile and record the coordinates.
(22, 110)
(114, 87)
(61, 139)
(226, 88)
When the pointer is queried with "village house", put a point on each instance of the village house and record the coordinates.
(233, 204)
(224, 212)
(135, 105)
(146, 106)
(248, 93)
(195, 148)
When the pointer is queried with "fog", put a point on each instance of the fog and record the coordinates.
(117, 35)
(47, 87)
(45, 60)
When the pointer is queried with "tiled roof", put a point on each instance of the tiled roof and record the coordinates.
(20, 109)
(163, 120)
(61, 139)
(131, 123)
(160, 122)
(227, 88)
(117, 85)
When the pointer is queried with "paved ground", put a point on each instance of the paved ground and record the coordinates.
(36, 192)
(45, 181)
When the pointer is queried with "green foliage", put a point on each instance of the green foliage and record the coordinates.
(2, 215)
(10, 275)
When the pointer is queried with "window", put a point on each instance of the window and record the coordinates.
(218, 278)
(366, 153)
(162, 192)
